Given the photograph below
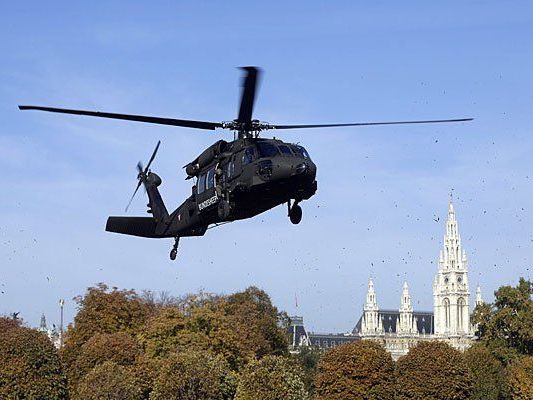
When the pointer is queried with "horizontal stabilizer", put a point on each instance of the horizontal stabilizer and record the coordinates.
(134, 226)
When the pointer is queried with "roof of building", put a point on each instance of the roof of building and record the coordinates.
(424, 321)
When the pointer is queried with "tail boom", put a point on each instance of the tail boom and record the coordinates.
(135, 226)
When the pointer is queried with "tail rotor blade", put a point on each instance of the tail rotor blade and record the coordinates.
(142, 172)
(133, 195)
(153, 156)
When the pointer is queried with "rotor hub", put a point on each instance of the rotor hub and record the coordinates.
(247, 129)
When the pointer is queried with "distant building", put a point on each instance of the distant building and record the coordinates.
(52, 332)
(300, 337)
(399, 330)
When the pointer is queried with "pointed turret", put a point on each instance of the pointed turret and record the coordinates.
(479, 299)
(406, 322)
(371, 302)
(43, 326)
(371, 323)
(405, 304)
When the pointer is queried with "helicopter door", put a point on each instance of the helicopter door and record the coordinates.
(206, 198)
(236, 160)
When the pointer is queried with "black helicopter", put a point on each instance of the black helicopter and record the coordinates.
(233, 180)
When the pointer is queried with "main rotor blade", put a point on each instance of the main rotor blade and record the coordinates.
(249, 86)
(436, 121)
(153, 156)
(128, 117)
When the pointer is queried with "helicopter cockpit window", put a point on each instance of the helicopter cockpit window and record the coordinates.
(300, 151)
(210, 181)
(267, 150)
(201, 183)
(285, 150)
(249, 155)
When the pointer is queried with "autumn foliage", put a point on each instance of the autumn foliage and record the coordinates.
(433, 371)
(191, 347)
(360, 370)
(125, 345)
(521, 379)
(488, 374)
(271, 378)
(29, 365)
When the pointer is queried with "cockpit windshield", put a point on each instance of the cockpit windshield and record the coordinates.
(300, 151)
(266, 149)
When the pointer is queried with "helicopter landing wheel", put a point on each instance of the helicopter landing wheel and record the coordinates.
(174, 251)
(295, 214)
(173, 254)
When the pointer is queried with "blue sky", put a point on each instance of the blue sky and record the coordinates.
(380, 188)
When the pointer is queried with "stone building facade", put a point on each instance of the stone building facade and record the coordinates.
(400, 329)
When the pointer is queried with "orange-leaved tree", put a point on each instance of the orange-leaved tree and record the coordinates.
(360, 370)
(520, 376)
(29, 364)
(433, 371)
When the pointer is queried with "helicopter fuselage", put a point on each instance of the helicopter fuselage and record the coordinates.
(233, 181)
(243, 179)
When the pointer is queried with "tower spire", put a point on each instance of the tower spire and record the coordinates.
(371, 323)
(406, 323)
(450, 288)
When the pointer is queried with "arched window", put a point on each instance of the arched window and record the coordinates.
(460, 312)
(446, 304)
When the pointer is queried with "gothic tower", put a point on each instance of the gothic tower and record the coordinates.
(479, 299)
(406, 323)
(451, 296)
(371, 323)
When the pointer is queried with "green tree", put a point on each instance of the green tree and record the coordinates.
(509, 322)
(193, 375)
(433, 371)
(360, 370)
(487, 372)
(29, 364)
(108, 381)
(520, 379)
(271, 378)
(308, 358)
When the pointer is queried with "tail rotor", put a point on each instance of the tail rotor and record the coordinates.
(143, 172)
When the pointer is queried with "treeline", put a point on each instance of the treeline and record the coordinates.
(126, 345)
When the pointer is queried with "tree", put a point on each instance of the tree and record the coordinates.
(193, 375)
(168, 332)
(433, 371)
(271, 378)
(240, 327)
(308, 358)
(360, 370)
(487, 372)
(521, 379)
(108, 381)
(252, 314)
(509, 322)
(29, 365)
(102, 310)
(121, 348)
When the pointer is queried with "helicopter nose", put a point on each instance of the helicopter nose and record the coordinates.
(299, 169)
